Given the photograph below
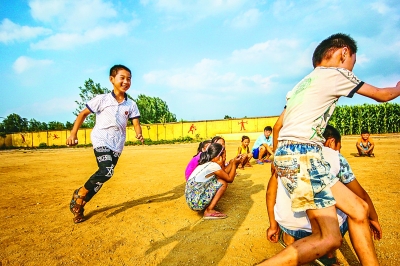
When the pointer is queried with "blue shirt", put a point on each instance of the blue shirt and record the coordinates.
(261, 140)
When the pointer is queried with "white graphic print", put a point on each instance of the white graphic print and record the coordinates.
(97, 188)
(103, 158)
(110, 171)
(102, 149)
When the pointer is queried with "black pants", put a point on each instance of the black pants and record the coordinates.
(106, 161)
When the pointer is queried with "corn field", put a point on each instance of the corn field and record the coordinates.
(376, 118)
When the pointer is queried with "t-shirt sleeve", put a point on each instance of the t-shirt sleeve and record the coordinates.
(345, 174)
(134, 112)
(347, 83)
(94, 105)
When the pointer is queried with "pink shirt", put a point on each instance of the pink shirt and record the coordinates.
(194, 162)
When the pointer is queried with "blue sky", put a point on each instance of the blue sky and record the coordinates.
(205, 58)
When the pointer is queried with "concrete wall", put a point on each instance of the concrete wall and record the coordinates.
(230, 129)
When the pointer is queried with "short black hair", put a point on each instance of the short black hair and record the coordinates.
(216, 138)
(268, 128)
(245, 137)
(331, 132)
(364, 131)
(114, 70)
(328, 46)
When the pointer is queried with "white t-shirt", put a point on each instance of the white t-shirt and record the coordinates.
(111, 120)
(299, 220)
(312, 101)
(201, 171)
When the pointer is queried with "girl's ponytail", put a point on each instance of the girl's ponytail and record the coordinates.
(214, 150)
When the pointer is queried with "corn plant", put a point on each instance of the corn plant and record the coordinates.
(376, 118)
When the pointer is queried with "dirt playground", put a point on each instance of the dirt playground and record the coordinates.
(140, 216)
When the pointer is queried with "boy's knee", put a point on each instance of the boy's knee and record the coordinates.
(361, 212)
(333, 242)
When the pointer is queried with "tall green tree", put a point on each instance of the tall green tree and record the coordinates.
(14, 123)
(88, 92)
(154, 110)
(55, 125)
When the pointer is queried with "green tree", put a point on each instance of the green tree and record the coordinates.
(88, 92)
(15, 123)
(34, 125)
(154, 110)
(55, 125)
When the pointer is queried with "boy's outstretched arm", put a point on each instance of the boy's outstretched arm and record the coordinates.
(73, 139)
(272, 188)
(138, 129)
(356, 187)
(380, 94)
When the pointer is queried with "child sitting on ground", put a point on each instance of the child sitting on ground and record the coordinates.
(245, 153)
(365, 145)
(208, 182)
(262, 148)
(194, 162)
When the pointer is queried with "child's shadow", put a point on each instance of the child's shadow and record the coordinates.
(206, 241)
(172, 194)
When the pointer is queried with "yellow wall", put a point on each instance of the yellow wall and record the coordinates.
(228, 128)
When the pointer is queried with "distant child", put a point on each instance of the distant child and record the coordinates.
(244, 152)
(263, 146)
(208, 182)
(194, 162)
(113, 110)
(365, 145)
(299, 162)
(296, 224)
(227, 166)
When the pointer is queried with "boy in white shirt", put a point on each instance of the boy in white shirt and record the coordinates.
(299, 162)
(108, 135)
(297, 224)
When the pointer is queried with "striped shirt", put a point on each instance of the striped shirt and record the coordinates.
(111, 120)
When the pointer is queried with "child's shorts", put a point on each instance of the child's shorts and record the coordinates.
(305, 174)
(199, 194)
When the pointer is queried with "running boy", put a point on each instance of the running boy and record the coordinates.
(299, 162)
(365, 145)
(108, 135)
(263, 146)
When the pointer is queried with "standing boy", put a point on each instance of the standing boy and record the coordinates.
(108, 135)
(263, 146)
(297, 224)
(299, 162)
(365, 145)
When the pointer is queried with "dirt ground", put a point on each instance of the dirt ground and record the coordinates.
(140, 216)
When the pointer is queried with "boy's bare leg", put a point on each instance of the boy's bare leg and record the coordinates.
(359, 230)
(217, 197)
(325, 238)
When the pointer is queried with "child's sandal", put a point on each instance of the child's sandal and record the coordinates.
(76, 208)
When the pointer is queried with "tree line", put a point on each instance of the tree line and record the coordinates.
(152, 110)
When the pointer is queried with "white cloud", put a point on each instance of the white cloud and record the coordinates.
(204, 77)
(246, 19)
(72, 15)
(10, 32)
(24, 63)
(380, 7)
(271, 50)
(62, 41)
